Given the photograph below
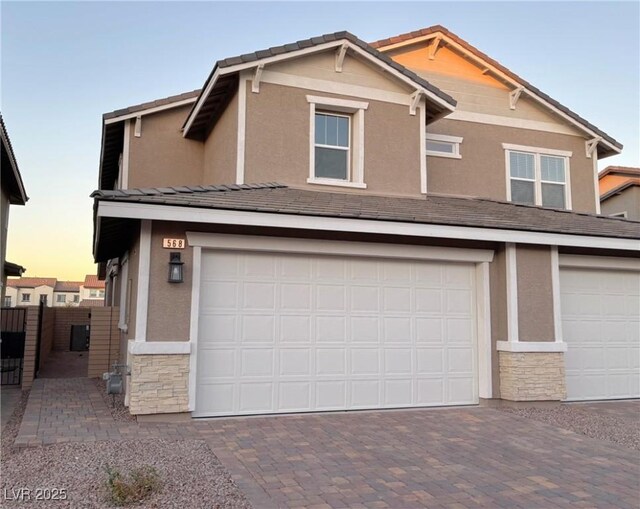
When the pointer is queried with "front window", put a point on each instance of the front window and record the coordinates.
(26, 297)
(76, 298)
(336, 142)
(538, 178)
(7, 302)
(332, 151)
(61, 299)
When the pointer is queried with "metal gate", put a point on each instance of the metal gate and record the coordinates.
(12, 339)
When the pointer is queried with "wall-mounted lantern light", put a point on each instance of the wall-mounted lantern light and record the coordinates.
(175, 268)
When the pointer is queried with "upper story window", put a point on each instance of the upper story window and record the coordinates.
(332, 147)
(76, 298)
(96, 293)
(26, 297)
(61, 298)
(441, 145)
(336, 151)
(537, 176)
(7, 302)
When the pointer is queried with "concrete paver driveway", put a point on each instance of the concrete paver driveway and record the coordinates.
(456, 458)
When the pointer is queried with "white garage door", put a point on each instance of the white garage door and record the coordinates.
(288, 333)
(601, 326)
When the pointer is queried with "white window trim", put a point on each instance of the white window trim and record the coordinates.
(355, 109)
(537, 180)
(454, 140)
(348, 149)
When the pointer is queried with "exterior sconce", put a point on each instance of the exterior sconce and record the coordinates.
(175, 268)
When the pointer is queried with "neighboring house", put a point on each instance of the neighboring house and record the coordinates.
(92, 292)
(620, 192)
(335, 225)
(67, 293)
(13, 193)
(29, 291)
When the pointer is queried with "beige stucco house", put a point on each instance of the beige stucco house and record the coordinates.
(620, 192)
(12, 193)
(336, 225)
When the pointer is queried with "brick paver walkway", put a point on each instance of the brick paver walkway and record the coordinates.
(455, 458)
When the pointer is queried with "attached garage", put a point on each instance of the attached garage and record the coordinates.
(286, 332)
(601, 326)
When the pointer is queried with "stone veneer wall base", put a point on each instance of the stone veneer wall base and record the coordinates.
(159, 384)
(532, 376)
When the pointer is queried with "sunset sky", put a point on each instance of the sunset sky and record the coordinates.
(64, 64)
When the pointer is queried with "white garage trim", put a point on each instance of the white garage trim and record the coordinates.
(483, 312)
(531, 346)
(193, 329)
(237, 218)
(555, 290)
(600, 262)
(144, 262)
(513, 334)
(345, 248)
(336, 247)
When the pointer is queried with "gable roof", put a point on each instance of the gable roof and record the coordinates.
(92, 281)
(223, 78)
(67, 286)
(619, 170)
(432, 209)
(11, 178)
(32, 282)
(607, 146)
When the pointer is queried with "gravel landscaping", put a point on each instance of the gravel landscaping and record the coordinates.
(190, 474)
(115, 403)
(622, 429)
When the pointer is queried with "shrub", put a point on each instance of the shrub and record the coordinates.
(133, 488)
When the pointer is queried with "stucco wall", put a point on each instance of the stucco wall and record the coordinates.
(221, 146)
(482, 169)
(535, 296)
(161, 156)
(169, 303)
(627, 201)
(277, 142)
(498, 298)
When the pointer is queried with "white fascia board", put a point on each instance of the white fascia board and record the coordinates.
(217, 216)
(148, 111)
(503, 76)
(531, 346)
(159, 347)
(315, 246)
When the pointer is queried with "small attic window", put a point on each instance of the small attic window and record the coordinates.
(441, 145)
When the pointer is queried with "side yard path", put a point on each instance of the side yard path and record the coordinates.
(73, 439)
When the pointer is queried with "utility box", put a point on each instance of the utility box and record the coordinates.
(79, 341)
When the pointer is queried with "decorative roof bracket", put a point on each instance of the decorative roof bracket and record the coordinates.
(514, 95)
(590, 146)
(137, 129)
(255, 82)
(340, 54)
(433, 49)
(415, 101)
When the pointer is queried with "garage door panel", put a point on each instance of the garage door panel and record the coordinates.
(602, 333)
(303, 333)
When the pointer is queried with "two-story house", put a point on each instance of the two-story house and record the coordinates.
(12, 193)
(337, 225)
(620, 192)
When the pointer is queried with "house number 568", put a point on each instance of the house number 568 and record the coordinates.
(173, 243)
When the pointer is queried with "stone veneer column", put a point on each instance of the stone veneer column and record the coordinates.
(159, 384)
(532, 376)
